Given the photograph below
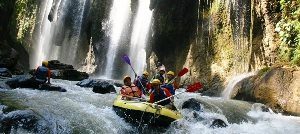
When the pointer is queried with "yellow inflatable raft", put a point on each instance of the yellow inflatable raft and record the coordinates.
(144, 113)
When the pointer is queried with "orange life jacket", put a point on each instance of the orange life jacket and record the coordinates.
(132, 91)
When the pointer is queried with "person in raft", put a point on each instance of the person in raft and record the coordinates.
(143, 82)
(158, 93)
(160, 75)
(129, 91)
(170, 82)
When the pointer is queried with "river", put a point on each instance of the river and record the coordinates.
(79, 110)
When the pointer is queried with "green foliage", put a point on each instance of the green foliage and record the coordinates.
(263, 71)
(289, 31)
(25, 15)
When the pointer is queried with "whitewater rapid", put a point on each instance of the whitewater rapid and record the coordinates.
(79, 110)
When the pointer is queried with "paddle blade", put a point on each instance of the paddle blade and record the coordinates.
(126, 59)
(182, 72)
(194, 87)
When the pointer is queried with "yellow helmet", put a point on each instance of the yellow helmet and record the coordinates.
(45, 63)
(156, 82)
(171, 73)
(145, 73)
(126, 77)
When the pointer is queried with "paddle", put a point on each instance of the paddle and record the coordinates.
(187, 90)
(181, 73)
(194, 87)
(127, 60)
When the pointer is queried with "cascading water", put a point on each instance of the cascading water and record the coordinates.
(44, 33)
(229, 88)
(60, 38)
(118, 17)
(139, 36)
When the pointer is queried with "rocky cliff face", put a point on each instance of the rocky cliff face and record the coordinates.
(16, 27)
(215, 39)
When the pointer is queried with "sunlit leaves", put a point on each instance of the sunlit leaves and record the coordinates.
(289, 31)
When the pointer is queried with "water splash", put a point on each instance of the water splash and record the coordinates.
(229, 88)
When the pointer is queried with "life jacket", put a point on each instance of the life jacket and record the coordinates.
(141, 82)
(174, 83)
(132, 91)
(160, 96)
(170, 87)
(41, 74)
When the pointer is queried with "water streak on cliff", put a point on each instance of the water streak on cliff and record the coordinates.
(139, 36)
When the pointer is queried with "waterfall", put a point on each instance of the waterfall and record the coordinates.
(118, 16)
(139, 36)
(229, 88)
(44, 33)
(70, 46)
(59, 39)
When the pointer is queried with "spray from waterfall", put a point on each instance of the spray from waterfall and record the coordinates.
(139, 36)
(118, 16)
(43, 32)
(229, 88)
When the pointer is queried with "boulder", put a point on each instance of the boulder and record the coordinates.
(278, 88)
(50, 87)
(103, 88)
(26, 81)
(4, 72)
(192, 104)
(9, 58)
(93, 82)
(195, 108)
(22, 81)
(25, 119)
(69, 74)
(64, 71)
(218, 123)
(56, 65)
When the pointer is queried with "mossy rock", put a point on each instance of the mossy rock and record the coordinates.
(12, 104)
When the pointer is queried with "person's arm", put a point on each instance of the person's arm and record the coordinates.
(176, 85)
(151, 98)
(35, 71)
(168, 94)
(49, 75)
